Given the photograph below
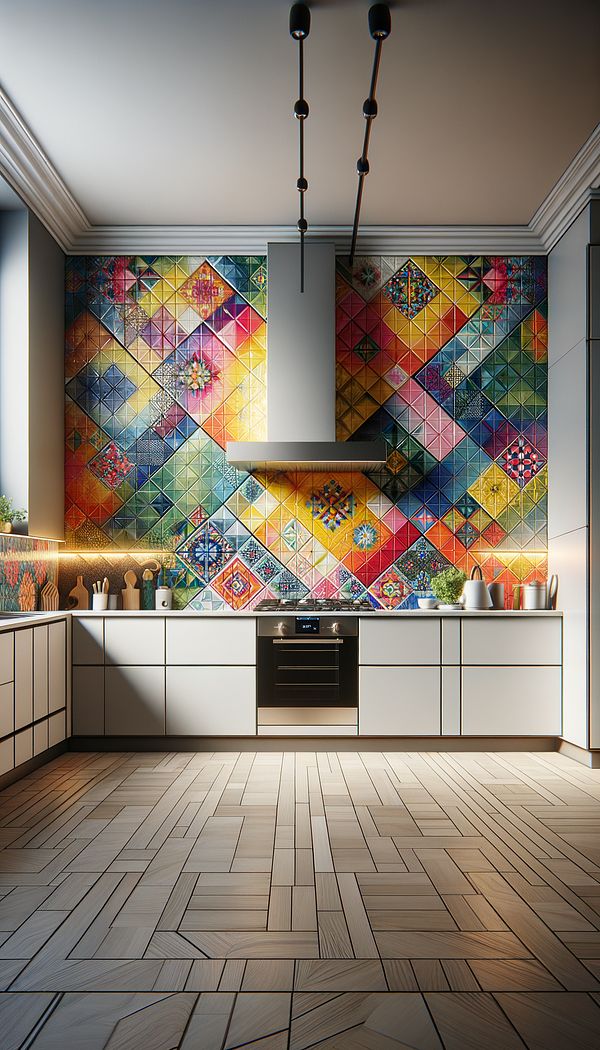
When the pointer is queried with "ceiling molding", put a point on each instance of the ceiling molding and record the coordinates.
(570, 194)
(31, 174)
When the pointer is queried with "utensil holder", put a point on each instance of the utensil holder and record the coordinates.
(99, 602)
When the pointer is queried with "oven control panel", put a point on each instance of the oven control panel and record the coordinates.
(307, 626)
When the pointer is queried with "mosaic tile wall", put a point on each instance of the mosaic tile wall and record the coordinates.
(26, 564)
(443, 356)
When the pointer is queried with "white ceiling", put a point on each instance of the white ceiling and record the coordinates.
(179, 111)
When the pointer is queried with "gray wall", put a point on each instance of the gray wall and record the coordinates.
(569, 483)
(32, 372)
(14, 359)
(46, 387)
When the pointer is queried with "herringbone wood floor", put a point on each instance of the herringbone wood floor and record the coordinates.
(287, 900)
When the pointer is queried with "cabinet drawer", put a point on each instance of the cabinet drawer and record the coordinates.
(211, 641)
(399, 701)
(134, 701)
(7, 709)
(40, 737)
(511, 701)
(134, 640)
(7, 667)
(7, 755)
(206, 701)
(57, 666)
(399, 641)
(56, 728)
(23, 746)
(88, 640)
(88, 701)
(40, 671)
(530, 640)
(23, 678)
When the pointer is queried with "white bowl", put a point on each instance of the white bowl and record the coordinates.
(427, 603)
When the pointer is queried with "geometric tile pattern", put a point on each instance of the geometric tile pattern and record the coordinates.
(370, 901)
(445, 357)
(26, 565)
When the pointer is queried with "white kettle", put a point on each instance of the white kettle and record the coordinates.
(475, 594)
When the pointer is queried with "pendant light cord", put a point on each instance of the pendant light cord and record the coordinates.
(299, 30)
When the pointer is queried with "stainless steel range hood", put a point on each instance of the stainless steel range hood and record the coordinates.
(301, 372)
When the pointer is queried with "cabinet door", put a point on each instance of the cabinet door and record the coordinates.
(40, 671)
(399, 640)
(7, 755)
(7, 709)
(23, 746)
(225, 640)
(56, 728)
(511, 640)
(7, 669)
(40, 737)
(57, 666)
(134, 640)
(23, 678)
(134, 701)
(399, 701)
(511, 701)
(207, 701)
(88, 639)
(88, 701)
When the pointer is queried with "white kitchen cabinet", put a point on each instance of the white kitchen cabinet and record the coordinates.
(23, 678)
(40, 737)
(88, 639)
(134, 701)
(40, 672)
(23, 746)
(399, 701)
(212, 701)
(7, 709)
(7, 668)
(450, 701)
(134, 640)
(7, 755)
(495, 640)
(57, 665)
(450, 640)
(57, 729)
(385, 640)
(88, 701)
(511, 701)
(211, 641)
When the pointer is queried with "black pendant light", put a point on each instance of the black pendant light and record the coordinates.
(380, 24)
(299, 29)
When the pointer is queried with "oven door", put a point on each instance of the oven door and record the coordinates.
(308, 672)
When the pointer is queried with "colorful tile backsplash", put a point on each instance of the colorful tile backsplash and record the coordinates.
(445, 357)
(26, 564)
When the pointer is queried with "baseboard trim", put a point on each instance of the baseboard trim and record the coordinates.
(313, 743)
(583, 755)
(32, 764)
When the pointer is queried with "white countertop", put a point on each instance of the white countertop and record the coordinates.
(18, 620)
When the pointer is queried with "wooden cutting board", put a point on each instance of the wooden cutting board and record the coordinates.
(79, 597)
(49, 597)
(130, 593)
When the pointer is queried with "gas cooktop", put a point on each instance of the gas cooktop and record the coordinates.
(322, 605)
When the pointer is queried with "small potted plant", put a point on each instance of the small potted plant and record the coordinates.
(8, 514)
(447, 587)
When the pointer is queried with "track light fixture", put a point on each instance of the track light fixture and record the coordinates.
(299, 30)
(380, 24)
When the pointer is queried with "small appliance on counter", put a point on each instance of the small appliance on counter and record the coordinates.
(475, 592)
(163, 596)
(536, 595)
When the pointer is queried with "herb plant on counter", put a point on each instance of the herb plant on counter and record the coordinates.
(8, 514)
(447, 586)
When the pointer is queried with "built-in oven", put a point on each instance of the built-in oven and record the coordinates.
(307, 673)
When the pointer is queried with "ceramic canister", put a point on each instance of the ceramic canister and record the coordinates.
(535, 595)
(164, 598)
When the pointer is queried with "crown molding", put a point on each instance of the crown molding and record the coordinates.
(31, 174)
(570, 194)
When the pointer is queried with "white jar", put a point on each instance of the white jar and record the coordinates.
(163, 598)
